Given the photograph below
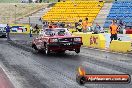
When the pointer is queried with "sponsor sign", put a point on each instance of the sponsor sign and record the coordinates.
(20, 28)
(82, 78)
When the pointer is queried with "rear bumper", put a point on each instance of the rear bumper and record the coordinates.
(67, 46)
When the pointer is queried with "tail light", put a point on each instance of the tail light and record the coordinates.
(79, 39)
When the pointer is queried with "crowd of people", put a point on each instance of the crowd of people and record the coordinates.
(80, 26)
(84, 26)
(117, 26)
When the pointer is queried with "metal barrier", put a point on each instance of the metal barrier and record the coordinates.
(120, 46)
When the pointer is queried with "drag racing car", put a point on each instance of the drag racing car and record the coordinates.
(57, 40)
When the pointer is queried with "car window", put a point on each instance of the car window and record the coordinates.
(57, 32)
(61, 32)
(49, 32)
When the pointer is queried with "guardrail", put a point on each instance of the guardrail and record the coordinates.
(120, 46)
(99, 41)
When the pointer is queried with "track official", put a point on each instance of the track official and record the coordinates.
(85, 25)
(113, 30)
(8, 32)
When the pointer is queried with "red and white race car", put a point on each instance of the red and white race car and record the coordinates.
(57, 40)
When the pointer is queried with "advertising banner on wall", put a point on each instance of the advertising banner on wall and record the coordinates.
(20, 28)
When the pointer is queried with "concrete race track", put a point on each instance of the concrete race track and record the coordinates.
(29, 69)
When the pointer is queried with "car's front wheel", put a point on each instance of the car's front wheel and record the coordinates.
(77, 50)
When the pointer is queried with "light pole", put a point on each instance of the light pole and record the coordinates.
(30, 33)
(15, 13)
(29, 20)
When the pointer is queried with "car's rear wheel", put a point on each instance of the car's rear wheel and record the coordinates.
(36, 50)
(47, 51)
(77, 50)
(35, 47)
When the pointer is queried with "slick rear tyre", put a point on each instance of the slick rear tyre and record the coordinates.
(36, 50)
(34, 47)
(77, 50)
(47, 51)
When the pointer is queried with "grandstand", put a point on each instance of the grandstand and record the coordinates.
(69, 11)
(97, 12)
(121, 10)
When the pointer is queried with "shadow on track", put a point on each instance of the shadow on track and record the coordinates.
(67, 55)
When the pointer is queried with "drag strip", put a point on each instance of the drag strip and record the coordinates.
(37, 70)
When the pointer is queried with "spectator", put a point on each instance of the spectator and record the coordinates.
(121, 22)
(31, 29)
(36, 29)
(45, 25)
(80, 21)
(102, 30)
(58, 23)
(63, 24)
(121, 26)
(8, 32)
(69, 25)
(96, 28)
(79, 27)
(113, 30)
(40, 19)
(76, 24)
(54, 25)
(50, 24)
(85, 25)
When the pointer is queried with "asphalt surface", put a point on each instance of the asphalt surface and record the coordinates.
(29, 69)
(4, 81)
